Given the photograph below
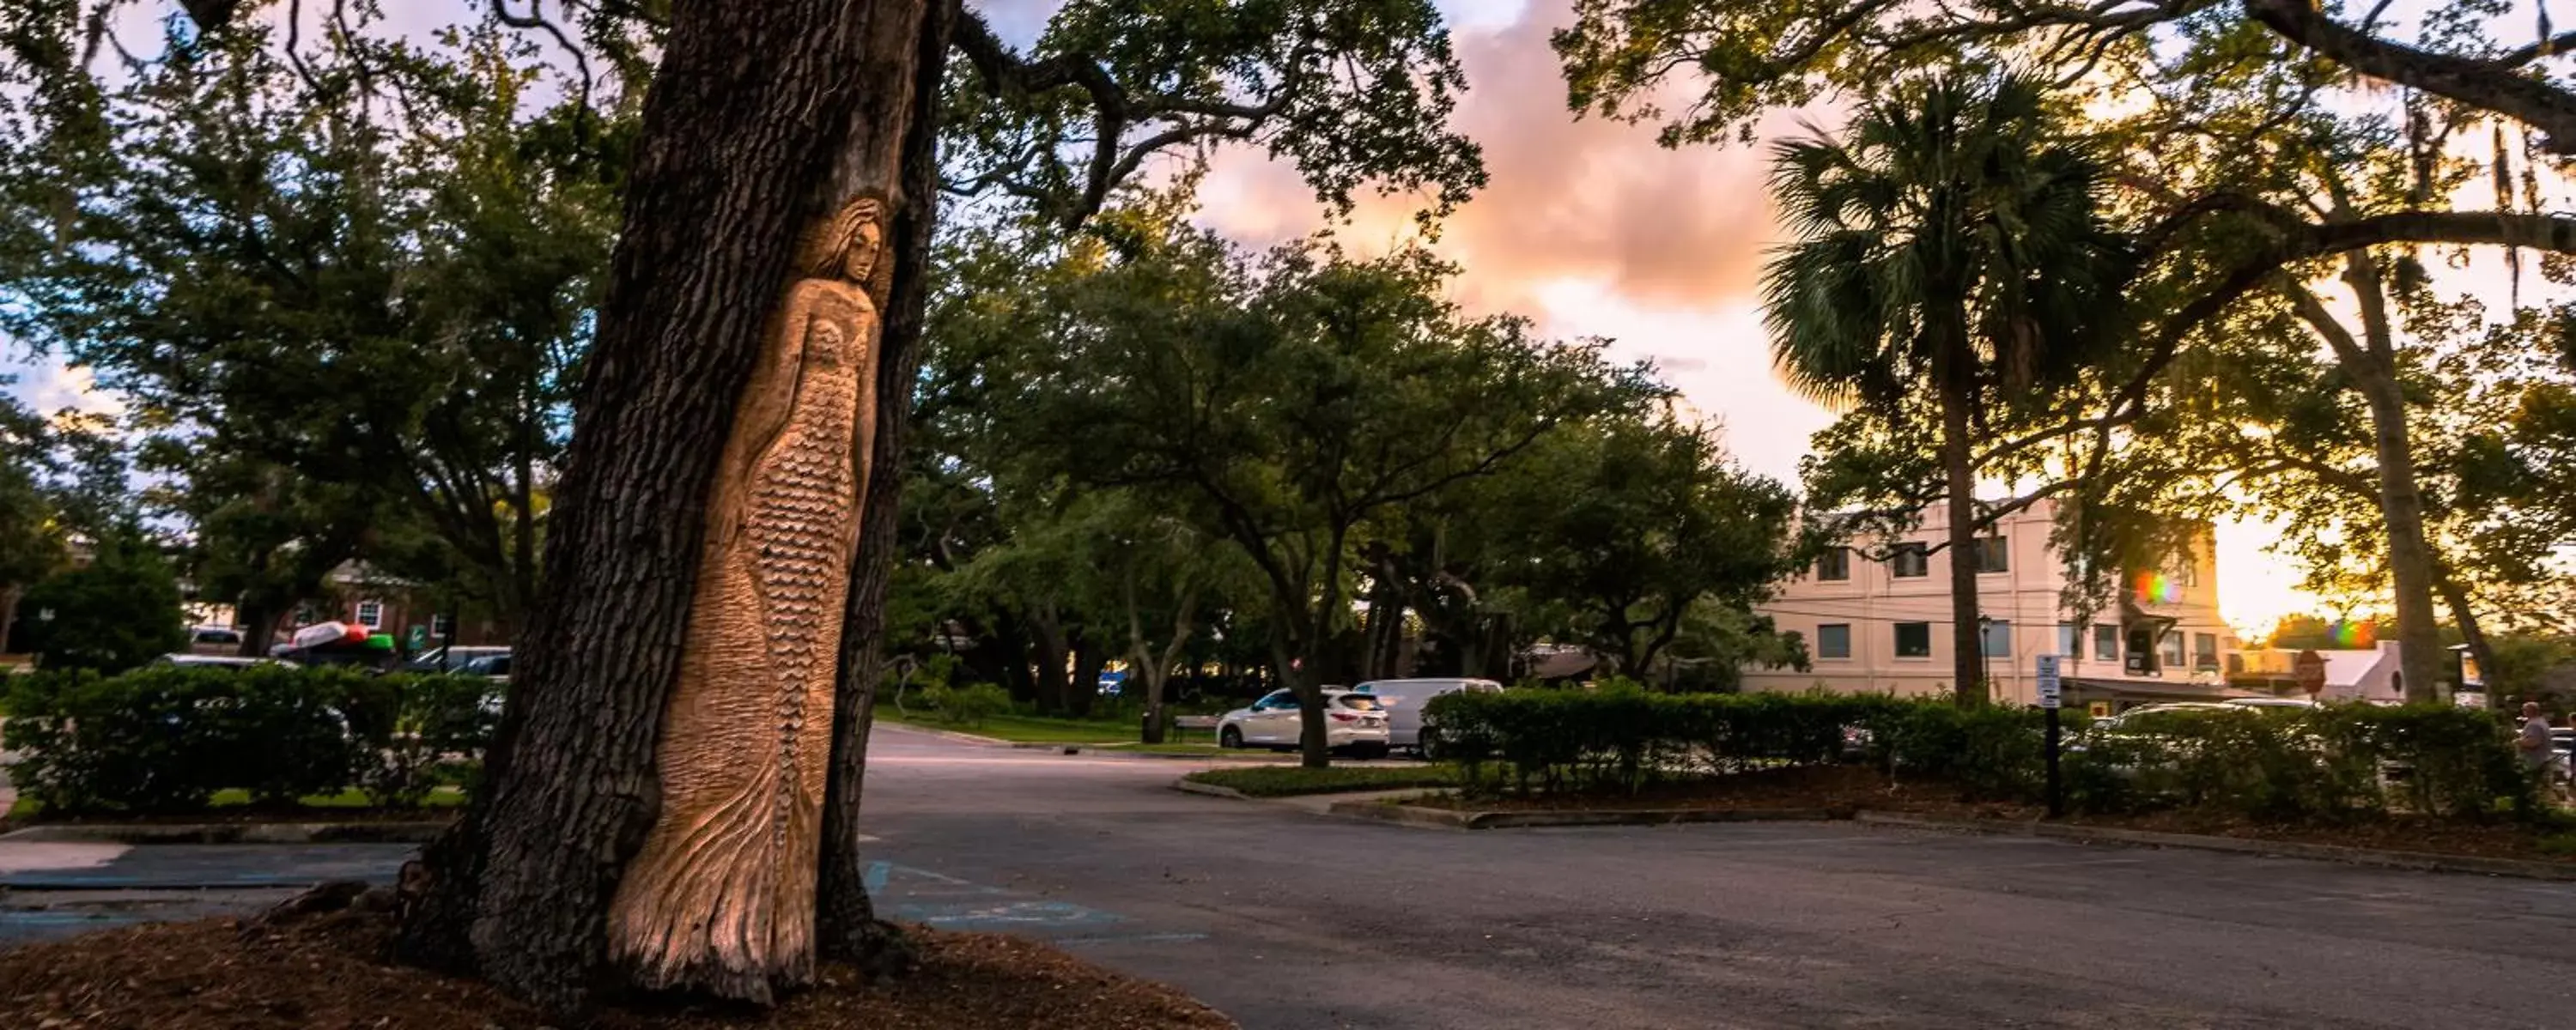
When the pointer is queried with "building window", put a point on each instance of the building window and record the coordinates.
(1911, 561)
(1914, 640)
(1834, 566)
(371, 614)
(1833, 640)
(1993, 555)
(1995, 638)
(2070, 640)
(2106, 643)
(2204, 651)
(2169, 649)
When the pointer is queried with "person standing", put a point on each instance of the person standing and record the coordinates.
(2533, 743)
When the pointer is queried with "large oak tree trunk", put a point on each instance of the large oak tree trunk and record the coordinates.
(762, 118)
(848, 925)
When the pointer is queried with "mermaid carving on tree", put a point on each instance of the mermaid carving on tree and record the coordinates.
(722, 896)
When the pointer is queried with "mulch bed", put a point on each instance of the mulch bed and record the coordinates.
(323, 974)
(1861, 787)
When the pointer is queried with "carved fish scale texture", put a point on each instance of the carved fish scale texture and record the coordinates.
(802, 505)
(721, 897)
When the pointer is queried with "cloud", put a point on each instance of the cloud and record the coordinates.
(48, 386)
(1588, 199)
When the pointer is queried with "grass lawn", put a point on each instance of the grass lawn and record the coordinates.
(1272, 781)
(1025, 729)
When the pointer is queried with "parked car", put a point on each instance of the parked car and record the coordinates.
(217, 661)
(1353, 722)
(2270, 702)
(2149, 713)
(1406, 700)
(456, 659)
(214, 640)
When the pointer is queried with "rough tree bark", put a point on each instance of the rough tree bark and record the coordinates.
(847, 923)
(761, 119)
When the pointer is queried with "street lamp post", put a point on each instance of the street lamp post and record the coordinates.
(1986, 655)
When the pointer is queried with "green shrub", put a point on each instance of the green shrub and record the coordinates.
(969, 705)
(1620, 737)
(2328, 764)
(1991, 752)
(168, 738)
(428, 731)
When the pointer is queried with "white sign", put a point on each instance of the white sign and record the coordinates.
(2048, 693)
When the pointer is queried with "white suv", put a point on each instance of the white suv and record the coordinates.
(1352, 722)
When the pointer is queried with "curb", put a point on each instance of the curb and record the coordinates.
(1416, 815)
(229, 833)
(1187, 786)
(967, 738)
(1122, 752)
(2416, 861)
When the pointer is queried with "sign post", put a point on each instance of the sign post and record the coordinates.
(2050, 698)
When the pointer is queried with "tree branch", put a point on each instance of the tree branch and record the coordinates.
(2485, 84)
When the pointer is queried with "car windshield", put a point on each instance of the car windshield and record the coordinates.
(1362, 702)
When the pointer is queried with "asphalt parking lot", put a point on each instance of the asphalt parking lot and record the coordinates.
(1288, 919)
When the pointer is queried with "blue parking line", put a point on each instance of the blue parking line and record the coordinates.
(948, 903)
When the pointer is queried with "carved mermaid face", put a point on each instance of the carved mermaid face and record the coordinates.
(859, 255)
(848, 246)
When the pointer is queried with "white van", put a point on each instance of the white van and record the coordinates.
(1405, 699)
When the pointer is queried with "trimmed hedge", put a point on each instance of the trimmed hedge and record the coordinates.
(167, 738)
(2332, 763)
(1620, 737)
(2326, 764)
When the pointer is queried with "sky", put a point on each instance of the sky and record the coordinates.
(1588, 227)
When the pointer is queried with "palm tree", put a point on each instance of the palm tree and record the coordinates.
(1954, 241)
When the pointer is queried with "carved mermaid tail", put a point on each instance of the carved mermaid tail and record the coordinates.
(722, 894)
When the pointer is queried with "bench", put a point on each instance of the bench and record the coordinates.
(1183, 723)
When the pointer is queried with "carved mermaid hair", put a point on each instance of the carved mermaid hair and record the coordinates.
(820, 255)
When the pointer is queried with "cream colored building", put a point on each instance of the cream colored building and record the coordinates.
(1885, 625)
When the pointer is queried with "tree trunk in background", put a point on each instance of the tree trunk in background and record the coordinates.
(1046, 632)
(2410, 559)
(9, 597)
(1967, 659)
(847, 923)
(761, 119)
(2475, 636)
(2401, 503)
(1083, 686)
(1006, 648)
(259, 628)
